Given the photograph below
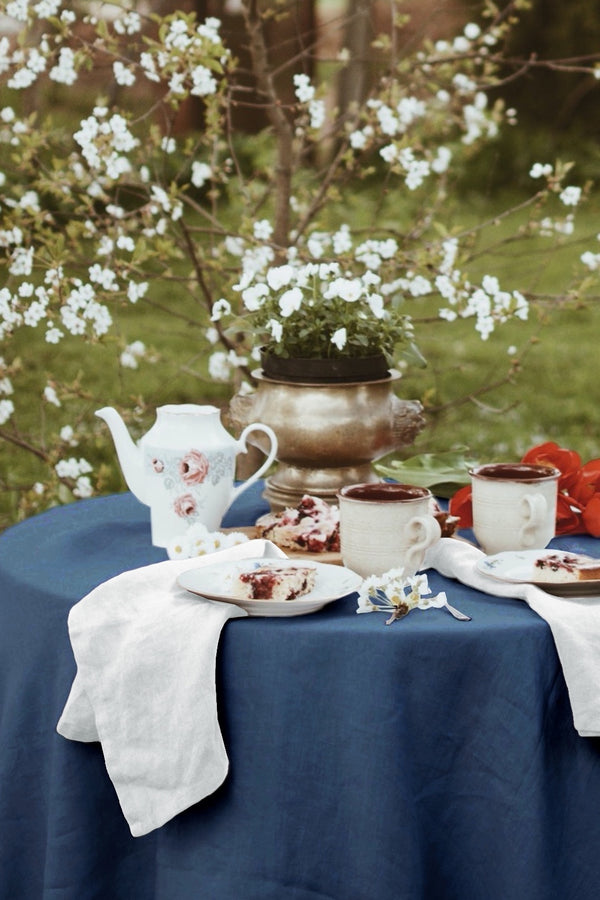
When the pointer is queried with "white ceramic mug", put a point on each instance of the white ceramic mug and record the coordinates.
(385, 526)
(514, 505)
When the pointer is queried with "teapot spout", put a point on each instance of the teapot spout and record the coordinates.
(129, 455)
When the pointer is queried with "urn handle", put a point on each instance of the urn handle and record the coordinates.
(242, 448)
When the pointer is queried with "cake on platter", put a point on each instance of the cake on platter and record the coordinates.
(313, 526)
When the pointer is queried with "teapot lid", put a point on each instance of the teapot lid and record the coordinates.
(187, 409)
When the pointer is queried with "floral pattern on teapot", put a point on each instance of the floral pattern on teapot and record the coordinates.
(183, 477)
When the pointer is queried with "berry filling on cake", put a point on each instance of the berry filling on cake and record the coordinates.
(274, 582)
(564, 568)
(313, 525)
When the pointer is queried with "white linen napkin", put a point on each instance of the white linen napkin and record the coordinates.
(574, 622)
(145, 685)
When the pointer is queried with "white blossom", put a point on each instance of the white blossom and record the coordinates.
(136, 290)
(203, 82)
(263, 230)
(540, 170)
(83, 487)
(220, 308)
(304, 91)
(67, 435)
(132, 353)
(7, 408)
(50, 395)
(64, 72)
(123, 74)
(219, 368)
(201, 172)
(570, 196)
(129, 23)
(72, 468)
(317, 112)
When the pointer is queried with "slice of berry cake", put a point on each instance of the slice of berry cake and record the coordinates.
(313, 525)
(563, 568)
(274, 582)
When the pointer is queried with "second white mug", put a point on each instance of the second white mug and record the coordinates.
(514, 505)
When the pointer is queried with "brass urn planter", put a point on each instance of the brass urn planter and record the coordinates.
(328, 434)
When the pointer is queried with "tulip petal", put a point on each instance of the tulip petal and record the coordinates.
(461, 505)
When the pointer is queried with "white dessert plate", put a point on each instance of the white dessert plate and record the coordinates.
(214, 582)
(517, 566)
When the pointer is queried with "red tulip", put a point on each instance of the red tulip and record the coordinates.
(461, 505)
(550, 454)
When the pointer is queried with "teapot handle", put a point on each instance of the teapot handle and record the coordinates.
(255, 426)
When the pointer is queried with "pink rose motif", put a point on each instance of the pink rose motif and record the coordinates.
(185, 505)
(158, 465)
(193, 467)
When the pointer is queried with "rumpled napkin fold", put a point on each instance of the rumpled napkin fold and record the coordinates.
(145, 685)
(574, 622)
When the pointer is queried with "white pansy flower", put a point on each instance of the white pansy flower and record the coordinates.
(253, 297)
(339, 338)
(280, 276)
(276, 329)
(290, 301)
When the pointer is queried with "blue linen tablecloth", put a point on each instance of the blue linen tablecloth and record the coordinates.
(429, 760)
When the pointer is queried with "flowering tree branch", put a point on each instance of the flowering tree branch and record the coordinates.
(109, 207)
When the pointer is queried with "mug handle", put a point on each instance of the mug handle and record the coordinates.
(255, 426)
(422, 532)
(533, 509)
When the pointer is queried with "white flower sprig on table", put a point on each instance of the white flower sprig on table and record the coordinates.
(198, 541)
(397, 593)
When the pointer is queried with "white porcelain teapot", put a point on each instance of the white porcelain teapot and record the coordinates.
(184, 467)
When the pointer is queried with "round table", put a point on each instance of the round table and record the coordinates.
(429, 759)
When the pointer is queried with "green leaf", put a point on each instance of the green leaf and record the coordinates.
(446, 472)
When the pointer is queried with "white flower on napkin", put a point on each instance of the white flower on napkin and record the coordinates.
(198, 541)
(397, 593)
